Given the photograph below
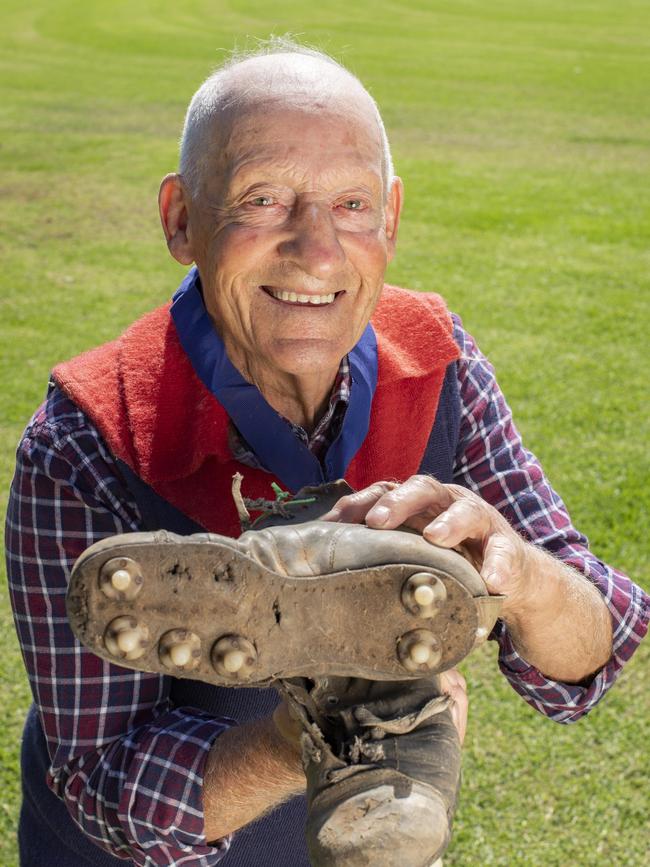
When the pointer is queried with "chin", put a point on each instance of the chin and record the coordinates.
(308, 357)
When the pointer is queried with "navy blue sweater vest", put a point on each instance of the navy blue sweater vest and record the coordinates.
(48, 836)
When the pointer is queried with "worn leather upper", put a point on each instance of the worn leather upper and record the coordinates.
(321, 548)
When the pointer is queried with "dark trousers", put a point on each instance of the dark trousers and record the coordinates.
(47, 835)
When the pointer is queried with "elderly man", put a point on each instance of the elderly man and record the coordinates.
(283, 353)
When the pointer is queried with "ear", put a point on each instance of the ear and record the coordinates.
(173, 201)
(393, 211)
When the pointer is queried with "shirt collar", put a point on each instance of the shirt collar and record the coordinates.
(270, 435)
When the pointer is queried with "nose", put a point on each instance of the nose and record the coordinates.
(313, 243)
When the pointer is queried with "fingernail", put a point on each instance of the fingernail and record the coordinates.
(379, 515)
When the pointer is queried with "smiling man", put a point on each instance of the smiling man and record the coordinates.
(291, 218)
(285, 357)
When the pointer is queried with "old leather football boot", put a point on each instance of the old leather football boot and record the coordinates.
(282, 602)
(382, 761)
(350, 624)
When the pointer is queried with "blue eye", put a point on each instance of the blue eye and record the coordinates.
(262, 201)
(353, 204)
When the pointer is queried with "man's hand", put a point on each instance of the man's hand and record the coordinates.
(449, 516)
(557, 619)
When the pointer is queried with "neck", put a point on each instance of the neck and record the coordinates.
(302, 399)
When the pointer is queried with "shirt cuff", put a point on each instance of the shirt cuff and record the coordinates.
(568, 702)
(161, 806)
(628, 604)
(629, 608)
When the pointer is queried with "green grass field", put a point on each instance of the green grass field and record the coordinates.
(522, 131)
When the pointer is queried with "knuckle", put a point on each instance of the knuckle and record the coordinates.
(501, 542)
(377, 489)
(472, 512)
(423, 482)
(503, 546)
(468, 498)
(365, 498)
(391, 493)
(475, 507)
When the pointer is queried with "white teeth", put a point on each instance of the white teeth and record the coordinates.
(281, 295)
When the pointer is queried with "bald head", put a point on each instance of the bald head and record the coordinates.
(283, 75)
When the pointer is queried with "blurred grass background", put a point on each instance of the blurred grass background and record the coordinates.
(522, 131)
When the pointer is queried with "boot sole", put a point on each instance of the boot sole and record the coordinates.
(197, 607)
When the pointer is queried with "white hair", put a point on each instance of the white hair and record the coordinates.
(221, 91)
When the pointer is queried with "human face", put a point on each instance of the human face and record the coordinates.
(292, 233)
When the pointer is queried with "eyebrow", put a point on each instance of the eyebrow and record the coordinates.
(262, 170)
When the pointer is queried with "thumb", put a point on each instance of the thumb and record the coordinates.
(288, 725)
(500, 564)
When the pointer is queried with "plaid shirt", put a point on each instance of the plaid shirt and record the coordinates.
(130, 766)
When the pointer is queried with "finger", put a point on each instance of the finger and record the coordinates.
(459, 710)
(453, 683)
(417, 494)
(353, 507)
(452, 679)
(288, 726)
(466, 518)
(500, 559)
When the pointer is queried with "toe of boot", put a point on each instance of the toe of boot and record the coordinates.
(373, 827)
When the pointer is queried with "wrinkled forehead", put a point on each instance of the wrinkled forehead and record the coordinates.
(305, 141)
(265, 103)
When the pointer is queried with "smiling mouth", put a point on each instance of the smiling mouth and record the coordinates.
(299, 298)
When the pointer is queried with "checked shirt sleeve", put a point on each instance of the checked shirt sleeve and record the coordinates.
(128, 765)
(492, 461)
